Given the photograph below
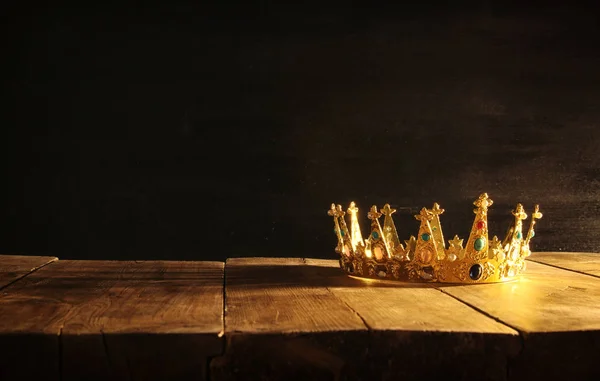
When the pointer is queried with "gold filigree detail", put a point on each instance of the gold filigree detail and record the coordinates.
(495, 250)
(488, 270)
(461, 271)
(455, 249)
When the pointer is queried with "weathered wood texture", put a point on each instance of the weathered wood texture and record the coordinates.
(98, 320)
(586, 263)
(281, 323)
(557, 313)
(293, 319)
(14, 267)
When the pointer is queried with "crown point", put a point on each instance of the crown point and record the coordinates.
(483, 201)
(436, 210)
(352, 209)
(456, 242)
(332, 211)
(387, 210)
(424, 214)
(373, 213)
(519, 212)
(536, 212)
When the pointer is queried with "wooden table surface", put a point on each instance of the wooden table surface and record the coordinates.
(292, 318)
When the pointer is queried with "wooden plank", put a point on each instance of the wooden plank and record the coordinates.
(20, 355)
(115, 320)
(419, 325)
(280, 324)
(586, 263)
(271, 301)
(15, 267)
(558, 313)
(275, 295)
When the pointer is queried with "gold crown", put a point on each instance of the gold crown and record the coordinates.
(426, 258)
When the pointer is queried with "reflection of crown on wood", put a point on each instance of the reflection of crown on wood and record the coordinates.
(426, 258)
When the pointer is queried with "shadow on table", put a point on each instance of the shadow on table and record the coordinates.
(307, 275)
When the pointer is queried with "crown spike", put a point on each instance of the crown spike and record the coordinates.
(377, 240)
(426, 247)
(476, 248)
(536, 215)
(356, 236)
(389, 229)
(495, 250)
(411, 244)
(516, 237)
(436, 227)
(455, 249)
(347, 247)
(482, 203)
(333, 212)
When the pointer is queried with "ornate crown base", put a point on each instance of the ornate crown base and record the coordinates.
(485, 271)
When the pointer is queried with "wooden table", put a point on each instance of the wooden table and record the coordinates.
(292, 318)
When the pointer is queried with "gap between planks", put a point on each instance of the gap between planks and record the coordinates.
(48, 260)
(542, 262)
(305, 261)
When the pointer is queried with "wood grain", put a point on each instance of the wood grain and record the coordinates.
(421, 326)
(552, 308)
(280, 324)
(586, 263)
(22, 355)
(14, 267)
(271, 301)
(118, 320)
(276, 295)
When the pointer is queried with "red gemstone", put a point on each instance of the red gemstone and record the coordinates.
(480, 224)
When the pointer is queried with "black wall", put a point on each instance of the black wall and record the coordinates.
(213, 131)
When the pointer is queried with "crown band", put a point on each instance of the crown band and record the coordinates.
(426, 257)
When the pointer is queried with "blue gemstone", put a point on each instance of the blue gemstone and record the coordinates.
(519, 235)
(475, 271)
(425, 237)
(375, 235)
(479, 244)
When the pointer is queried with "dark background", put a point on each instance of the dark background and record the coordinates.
(215, 130)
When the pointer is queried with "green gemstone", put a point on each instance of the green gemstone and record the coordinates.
(479, 244)
(425, 237)
(519, 235)
(342, 233)
(375, 235)
(532, 233)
